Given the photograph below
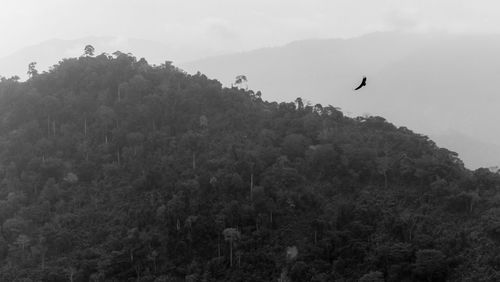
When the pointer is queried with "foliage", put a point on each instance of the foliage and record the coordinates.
(115, 170)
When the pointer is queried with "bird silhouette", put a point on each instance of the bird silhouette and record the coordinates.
(363, 83)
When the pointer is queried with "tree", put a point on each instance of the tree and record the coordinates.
(50, 191)
(50, 105)
(372, 276)
(240, 79)
(220, 223)
(430, 264)
(32, 72)
(295, 145)
(70, 272)
(135, 140)
(7, 209)
(300, 104)
(383, 167)
(231, 235)
(175, 208)
(40, 250)
(194, 142)
(300, 272)
(22, 241)
(154, 109)
(13, 227)
(107, 118)
(89, 50)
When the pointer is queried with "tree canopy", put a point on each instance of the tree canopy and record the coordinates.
(115, 170)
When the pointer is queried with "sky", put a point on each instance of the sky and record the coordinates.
(189, 30)
(222, 26)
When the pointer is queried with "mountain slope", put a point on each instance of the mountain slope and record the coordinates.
(115, 170)
(430, 83)
(50, 51)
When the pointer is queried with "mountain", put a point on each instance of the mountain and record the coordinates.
(112, 169)
(431, 83)
(50, 51)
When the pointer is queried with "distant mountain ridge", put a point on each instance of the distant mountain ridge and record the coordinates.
(431, 83)
(53, 50)
(115, 170)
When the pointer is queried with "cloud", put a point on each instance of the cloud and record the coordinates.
(220, 29)
(403, 20)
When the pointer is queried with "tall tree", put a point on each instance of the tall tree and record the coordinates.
(32, 71)
(240, 79)
(231, 235)
(89, 50)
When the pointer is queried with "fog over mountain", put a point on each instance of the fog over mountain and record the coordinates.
(437, 84)
(440, 85)
(49, 52)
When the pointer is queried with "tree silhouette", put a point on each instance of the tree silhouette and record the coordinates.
(32, 71)
(89, 50)
(231, 235)
(240, 79)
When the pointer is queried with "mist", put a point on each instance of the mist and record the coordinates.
(228, 140)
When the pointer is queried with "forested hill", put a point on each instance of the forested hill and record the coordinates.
(115, 170)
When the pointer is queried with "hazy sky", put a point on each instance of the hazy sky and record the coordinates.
(233, 25)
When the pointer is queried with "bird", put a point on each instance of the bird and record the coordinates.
(363, 83)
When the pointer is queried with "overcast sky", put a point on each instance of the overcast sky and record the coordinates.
(233, 25)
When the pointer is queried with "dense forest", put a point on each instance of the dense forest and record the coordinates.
(113, 169)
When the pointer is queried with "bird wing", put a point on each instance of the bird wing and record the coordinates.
(363, 83)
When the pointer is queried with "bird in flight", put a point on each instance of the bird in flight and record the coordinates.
(363, 83)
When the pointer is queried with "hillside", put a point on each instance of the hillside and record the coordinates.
(432, 83)
(115, 170)
(47, 53)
